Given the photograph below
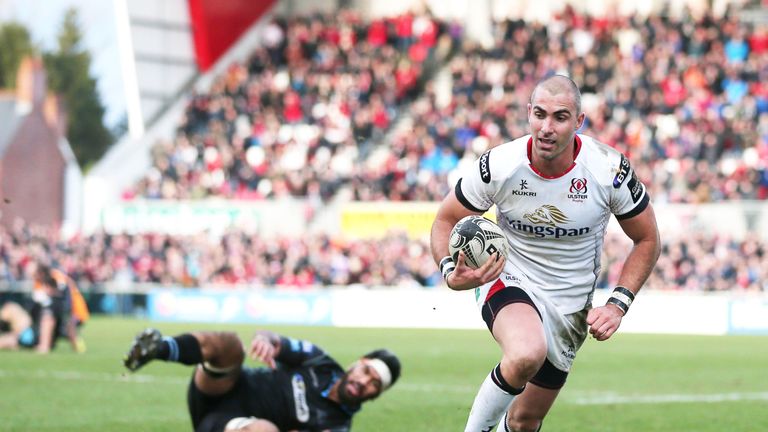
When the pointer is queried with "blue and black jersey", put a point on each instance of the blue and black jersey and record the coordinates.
(294, 396)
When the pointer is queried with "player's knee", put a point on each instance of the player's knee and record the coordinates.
(223, 349)
(522, 365)
(521, 422)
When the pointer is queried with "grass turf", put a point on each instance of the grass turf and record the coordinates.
(630, 383)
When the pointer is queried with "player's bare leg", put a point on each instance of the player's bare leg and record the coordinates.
(529, 409)
(219, 356)
(16, 316)
(18, 320)
(47, 329)
(520, 334)
(9, 341)
(223, 356)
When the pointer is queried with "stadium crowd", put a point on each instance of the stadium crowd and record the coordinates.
(309, 113)
(297, 116)
(314, 111)
(680, 97)
(696, 262)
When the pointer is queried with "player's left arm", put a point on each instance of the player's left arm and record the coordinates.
(642, 229)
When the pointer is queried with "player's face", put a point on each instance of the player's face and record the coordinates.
(361, 383)
(554, 121)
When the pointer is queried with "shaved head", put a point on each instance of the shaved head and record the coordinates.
(558, 84)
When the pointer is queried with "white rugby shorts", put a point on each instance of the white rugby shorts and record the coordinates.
(565, 333)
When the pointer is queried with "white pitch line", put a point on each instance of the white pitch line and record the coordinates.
(593, 399)
(93, 376)
(606, 398)
(616, 399)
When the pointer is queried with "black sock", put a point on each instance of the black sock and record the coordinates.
(499, 380)
(184, 349)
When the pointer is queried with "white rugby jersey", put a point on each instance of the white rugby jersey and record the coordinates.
(555, 226)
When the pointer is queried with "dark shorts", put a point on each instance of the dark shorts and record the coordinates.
(548, 375)
(212, 413)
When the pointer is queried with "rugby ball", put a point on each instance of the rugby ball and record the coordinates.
(479, 238)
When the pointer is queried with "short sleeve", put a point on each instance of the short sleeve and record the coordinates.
(475, 189)
(294, 352)
(630, 196)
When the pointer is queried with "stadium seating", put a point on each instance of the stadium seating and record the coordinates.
(679, 96)
(701, 262)
(333, 102)
(297, 117)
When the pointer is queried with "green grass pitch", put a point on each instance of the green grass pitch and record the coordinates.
(630, 383)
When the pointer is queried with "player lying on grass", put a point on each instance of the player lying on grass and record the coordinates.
(35, 329)
(302, 388)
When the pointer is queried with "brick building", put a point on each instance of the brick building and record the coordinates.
(38, 171)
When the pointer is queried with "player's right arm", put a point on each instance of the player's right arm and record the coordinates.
(271, 348)
(463, 277)
(265, 346)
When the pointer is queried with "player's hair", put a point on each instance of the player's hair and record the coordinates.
(560, 82)
(46, 276)
(389, 358)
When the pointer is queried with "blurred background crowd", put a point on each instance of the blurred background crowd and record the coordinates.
(684, 98)
(334, 106)
(701, 262)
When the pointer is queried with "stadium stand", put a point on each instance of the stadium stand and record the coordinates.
(678, 95)
(702, 262)
(300, 113)
(333, 103)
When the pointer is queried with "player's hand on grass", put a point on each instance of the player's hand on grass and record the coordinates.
(465, 277)
(263, 350)
(603, 321)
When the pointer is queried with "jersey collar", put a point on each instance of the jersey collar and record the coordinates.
(577, 149)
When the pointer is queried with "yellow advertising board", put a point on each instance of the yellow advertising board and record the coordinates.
(376, 219)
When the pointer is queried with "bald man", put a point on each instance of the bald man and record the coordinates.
(554, 192)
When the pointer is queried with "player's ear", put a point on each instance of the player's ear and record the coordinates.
(580, 120)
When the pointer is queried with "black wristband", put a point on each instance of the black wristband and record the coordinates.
(621, 297)
(625, 291)
(623, 306)
(447, 266)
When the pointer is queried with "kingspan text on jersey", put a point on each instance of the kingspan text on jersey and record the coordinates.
(547, 231)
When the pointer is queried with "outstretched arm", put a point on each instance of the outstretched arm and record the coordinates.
(463, 277)
(642, 229)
